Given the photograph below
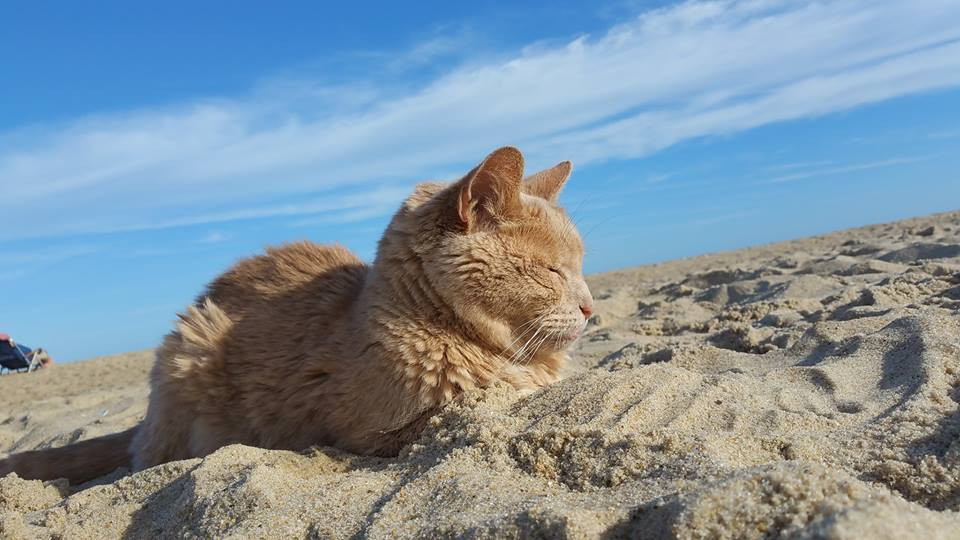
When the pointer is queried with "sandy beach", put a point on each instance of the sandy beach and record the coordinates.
(806, 389)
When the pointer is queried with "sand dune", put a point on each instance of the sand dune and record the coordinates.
(807, 389)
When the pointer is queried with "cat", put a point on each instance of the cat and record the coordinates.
(475, 281)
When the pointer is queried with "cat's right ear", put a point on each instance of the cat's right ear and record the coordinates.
(490, 193)
(547, 183)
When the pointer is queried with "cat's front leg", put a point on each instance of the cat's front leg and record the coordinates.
(521, 378)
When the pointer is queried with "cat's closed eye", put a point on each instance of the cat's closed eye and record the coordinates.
(555, 270)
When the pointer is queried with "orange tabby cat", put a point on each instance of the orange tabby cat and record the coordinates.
(475, 281)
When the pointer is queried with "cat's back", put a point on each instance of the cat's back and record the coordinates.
(283, 308)
(294, 273)
(262, 328)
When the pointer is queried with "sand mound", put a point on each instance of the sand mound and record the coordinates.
(809, 389)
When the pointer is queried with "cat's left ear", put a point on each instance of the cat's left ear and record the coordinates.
(490, 193)
(547, 183)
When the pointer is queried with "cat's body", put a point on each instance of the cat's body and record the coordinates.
(474, 282)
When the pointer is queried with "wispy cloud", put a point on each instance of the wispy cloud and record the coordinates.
(798, 165)
(49, 255)
(213, 237)
(691, 70)
(25, 262)
(657, 178)
(350, 215)
(945, 134)
(832, 171)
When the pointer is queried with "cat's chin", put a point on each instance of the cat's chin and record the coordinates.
(567, 338)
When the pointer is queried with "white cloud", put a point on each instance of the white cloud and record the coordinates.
(327, 205)
(49, 255)
(690, 70)
(831, 171)
(798, 165)
(21, 263)
(213, 237)
(945, 134)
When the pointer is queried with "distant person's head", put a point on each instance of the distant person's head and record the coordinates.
(42, 357)
(45, 359)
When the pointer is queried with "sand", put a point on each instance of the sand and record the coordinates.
(807, 389)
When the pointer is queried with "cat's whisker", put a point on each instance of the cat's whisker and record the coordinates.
(598, 224)
(529, 325)
(514, 354)
(536, 348)
(517, 356)
(532, 351)
(583, 200)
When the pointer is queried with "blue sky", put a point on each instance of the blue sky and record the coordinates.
(143, 149)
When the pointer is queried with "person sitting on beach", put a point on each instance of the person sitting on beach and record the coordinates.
(9, 356)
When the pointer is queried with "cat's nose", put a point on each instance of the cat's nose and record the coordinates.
(587, 309)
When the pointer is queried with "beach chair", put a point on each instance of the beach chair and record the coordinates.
(17, 358)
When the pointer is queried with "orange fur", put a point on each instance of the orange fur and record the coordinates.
(475, 281)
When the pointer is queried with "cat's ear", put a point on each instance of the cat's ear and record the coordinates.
(490, 193)
(547, 183)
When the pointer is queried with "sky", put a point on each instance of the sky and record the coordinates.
(144, 148)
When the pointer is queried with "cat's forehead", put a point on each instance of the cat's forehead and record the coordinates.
(542, 227)
(547, 229)
(549, 215)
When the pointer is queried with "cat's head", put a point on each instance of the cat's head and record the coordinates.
(504, 255)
